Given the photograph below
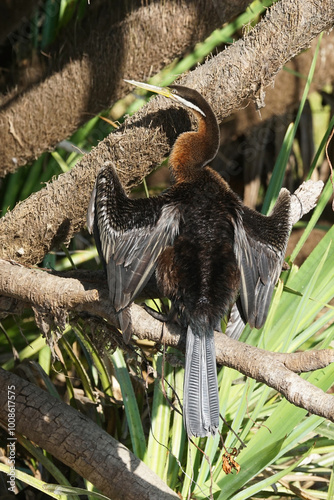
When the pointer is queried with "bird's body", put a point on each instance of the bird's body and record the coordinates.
(203, 245)
(199, 272)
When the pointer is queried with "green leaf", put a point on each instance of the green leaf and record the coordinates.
(250, 464)
(97, 360)
(178, 434)
(269, 481)
(28, 352)
(72, 491)
(281, 432)
(45, 462)
(156, 456)
(31, 481)
(130, 404)
(80, 369)
(330, 494)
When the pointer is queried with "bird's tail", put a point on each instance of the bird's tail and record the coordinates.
(200, 391)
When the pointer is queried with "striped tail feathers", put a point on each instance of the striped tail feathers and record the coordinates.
(200, 392)
(125, 324)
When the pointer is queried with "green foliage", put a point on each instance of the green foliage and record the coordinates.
(130, 404)
(143, 409)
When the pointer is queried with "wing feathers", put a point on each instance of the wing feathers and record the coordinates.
(131, 233)
(259, 267)
(259, 246)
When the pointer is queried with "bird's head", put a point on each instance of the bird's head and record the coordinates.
(193, 149)
(189, 98)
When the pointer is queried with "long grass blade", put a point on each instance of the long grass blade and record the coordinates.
(269, 481)
(97, 360)
(28, 352)
(45, 462)
(130, 404)
(31, 481)
(80, 369)
(178, 434)
(157, 452)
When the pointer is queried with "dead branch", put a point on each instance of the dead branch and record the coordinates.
(304, 199)
(243, 70)
(79, 443)
(86, 69)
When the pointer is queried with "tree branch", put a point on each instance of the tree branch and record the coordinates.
(79, 443)
(277, 370)
(92, 57)
(246, 68)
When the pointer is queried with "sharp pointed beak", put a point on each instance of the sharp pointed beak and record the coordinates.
(165, 91)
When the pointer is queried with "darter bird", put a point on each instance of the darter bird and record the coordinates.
(206, 248)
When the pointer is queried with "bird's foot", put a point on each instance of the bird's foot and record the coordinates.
(170, 317)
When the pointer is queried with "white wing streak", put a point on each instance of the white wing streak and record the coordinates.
(131, 254)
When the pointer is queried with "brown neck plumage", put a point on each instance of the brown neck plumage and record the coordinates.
(194, 150)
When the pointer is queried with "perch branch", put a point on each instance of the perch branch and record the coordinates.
(277, 370)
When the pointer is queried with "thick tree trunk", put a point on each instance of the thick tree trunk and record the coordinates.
(59, 210)
(78, 442)
(87, 70)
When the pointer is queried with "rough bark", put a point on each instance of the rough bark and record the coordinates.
(285, 94)
(79, 443)
(243, 70)
(130, 40)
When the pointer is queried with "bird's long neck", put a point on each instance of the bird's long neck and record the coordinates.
(194, 150)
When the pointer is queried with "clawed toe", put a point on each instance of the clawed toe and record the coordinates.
(170, 317)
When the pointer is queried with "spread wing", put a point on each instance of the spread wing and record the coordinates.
(259, 246)
(130, 235)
